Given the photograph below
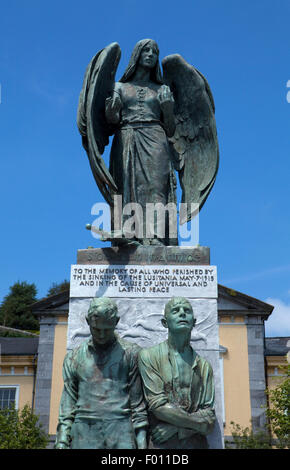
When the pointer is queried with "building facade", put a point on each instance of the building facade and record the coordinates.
(31, 368)
(18, 367)
(242, 357)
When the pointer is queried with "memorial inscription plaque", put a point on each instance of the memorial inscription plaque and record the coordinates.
(141, 281)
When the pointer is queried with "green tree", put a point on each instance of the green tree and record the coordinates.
(279, 411)
(246, 438)
(15, 311)
(277, 432)
(56, 288)
(20, 429)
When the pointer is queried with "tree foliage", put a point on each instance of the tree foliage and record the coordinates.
(15, 311)
(246, 438)
(56, 288)
(279, 411)
(19, 429)
(276, 433)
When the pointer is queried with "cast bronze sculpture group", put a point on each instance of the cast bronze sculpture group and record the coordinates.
(117, 395)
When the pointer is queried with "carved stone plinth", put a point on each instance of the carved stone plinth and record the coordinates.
(141, 281)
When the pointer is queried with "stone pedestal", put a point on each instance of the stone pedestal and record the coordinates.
(141, 281)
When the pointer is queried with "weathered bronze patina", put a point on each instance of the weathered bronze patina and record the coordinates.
(161, 124)
(178, 384)
(102, 405)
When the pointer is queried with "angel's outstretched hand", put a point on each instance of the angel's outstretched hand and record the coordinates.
(113, 106)
(165, 97)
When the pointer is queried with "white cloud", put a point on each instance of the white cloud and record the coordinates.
(278, 323)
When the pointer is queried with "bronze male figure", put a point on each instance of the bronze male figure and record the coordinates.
(178, 384)
(102, 405)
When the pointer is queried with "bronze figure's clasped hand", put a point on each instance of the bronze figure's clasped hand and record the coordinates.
(163, 432)
(62, 446)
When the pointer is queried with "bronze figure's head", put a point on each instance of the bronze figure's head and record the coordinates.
(102, 319)
(178, 315)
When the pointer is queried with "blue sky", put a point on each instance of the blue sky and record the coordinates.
(47, 189)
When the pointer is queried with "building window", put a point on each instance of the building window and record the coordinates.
(8, 396)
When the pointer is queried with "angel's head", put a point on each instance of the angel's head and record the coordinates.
(145, 54)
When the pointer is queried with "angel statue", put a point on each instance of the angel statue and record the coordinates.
(161, 124)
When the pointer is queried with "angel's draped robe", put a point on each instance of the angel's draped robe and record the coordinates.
(141, 160)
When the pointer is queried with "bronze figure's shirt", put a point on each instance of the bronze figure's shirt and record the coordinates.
(140, 104)
(161, 385)
(101, 385)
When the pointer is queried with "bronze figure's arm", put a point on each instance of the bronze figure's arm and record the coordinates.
(137, 402)
(67, 405)
(200, 421)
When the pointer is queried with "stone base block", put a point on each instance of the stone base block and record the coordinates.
(140, 314)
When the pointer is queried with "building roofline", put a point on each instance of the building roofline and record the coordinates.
(17, 346)
(51, 302)
(277, 345)
(250, 302)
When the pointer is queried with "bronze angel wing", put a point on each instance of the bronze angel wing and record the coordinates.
(195, 139)
(97, 86)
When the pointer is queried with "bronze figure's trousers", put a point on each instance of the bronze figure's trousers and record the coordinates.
(102, 434)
